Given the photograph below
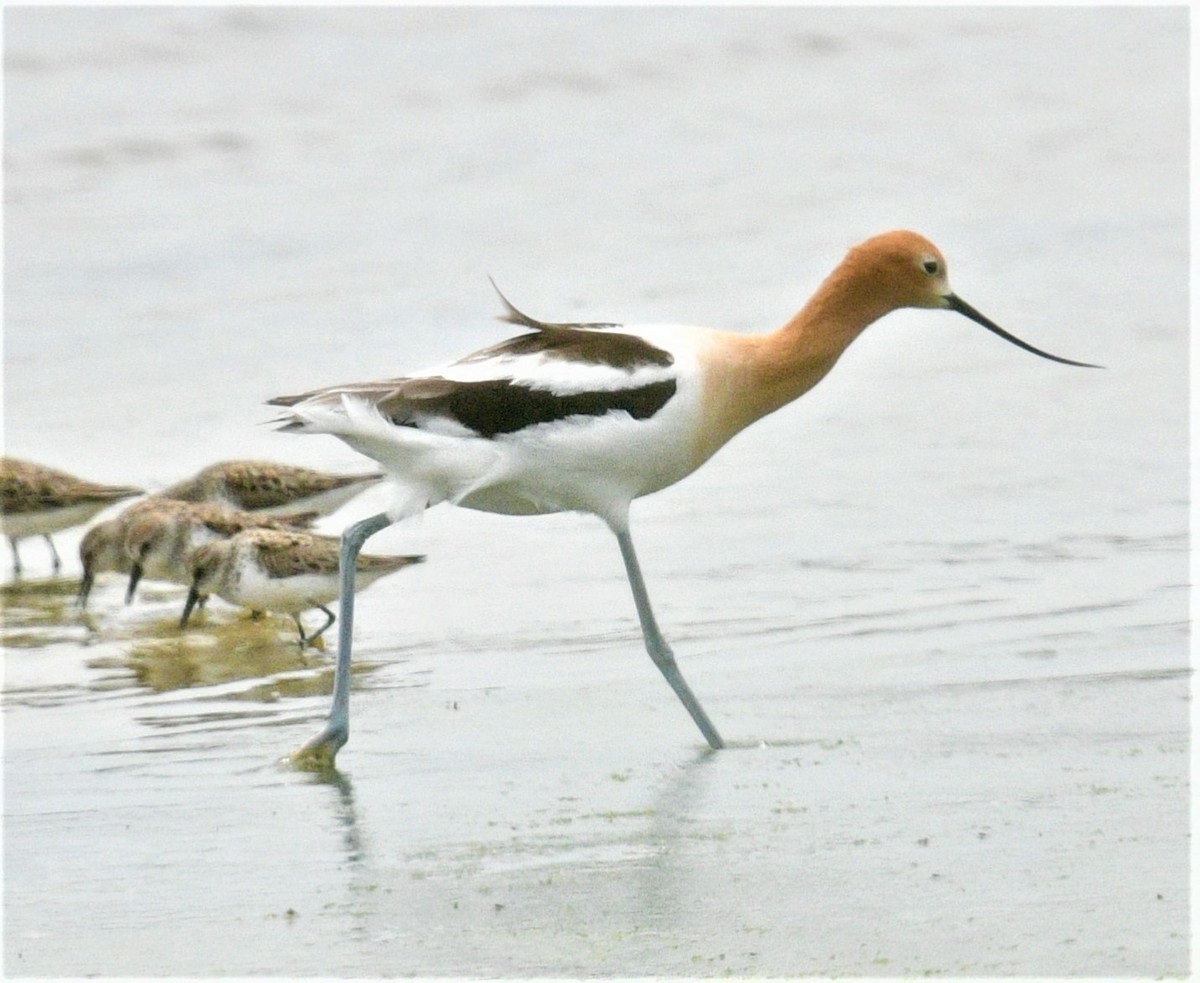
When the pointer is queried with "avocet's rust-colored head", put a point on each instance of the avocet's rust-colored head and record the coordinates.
(904, 268)
(910, 271)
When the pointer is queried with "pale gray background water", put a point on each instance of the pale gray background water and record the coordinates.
(946, 592)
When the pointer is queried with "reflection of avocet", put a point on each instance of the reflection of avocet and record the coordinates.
(588, 417)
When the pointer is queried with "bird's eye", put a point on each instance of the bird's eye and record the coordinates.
(931, 266)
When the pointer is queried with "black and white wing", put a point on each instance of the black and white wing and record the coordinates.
(552, 373)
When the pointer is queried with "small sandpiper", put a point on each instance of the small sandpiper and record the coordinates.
(284, 571)
(158, 539)
(36, 501)
(267, 487)
(102, 550)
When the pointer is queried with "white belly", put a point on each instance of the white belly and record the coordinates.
(289, 595)
(586, 464)
(47, 521)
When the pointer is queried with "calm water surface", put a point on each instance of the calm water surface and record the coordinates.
(939, 607)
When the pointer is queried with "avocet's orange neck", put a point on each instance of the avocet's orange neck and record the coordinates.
(797, 356)
(750, 376)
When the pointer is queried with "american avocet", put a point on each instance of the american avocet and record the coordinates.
(270, 488)
(159, 537)
(273, 570)
(588, 417)
(36, 501)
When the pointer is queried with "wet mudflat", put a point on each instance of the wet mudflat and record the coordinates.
(939, 608)
(545, 808)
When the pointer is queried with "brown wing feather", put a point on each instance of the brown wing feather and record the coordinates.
(27, 487)
(290, 554)
(228, 522)
(259, 486)
(514, 316)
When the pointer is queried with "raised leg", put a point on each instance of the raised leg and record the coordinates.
(656, 645)
(54, 557)
(306, 640)
(329, 620)
(321, 750)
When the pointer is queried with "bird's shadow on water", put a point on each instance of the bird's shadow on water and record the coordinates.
(675, 802)
(345, 809)
(679, 820)
(673, 812)
(679, 832)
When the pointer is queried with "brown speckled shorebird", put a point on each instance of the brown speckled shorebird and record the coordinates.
(270, 488)
(37, 501)
(287, 572)
(102, 549)
(159, 538)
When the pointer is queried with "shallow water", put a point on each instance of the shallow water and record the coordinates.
(939, 607)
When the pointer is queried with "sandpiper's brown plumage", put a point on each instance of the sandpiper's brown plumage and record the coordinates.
(265, 486)
(278, 570)
(159, 538)
(102, 549)
(37, 501)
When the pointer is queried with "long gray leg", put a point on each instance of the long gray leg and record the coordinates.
(12, 542)
(322, 749)
(656, 645)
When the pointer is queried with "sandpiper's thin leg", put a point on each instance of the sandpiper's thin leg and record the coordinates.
(85, 587)
(657, 646)
(330, 619)
(194, 600)
(322, 749)
(12, 542)
(54, 557)
(300, 629)
(135, 577)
